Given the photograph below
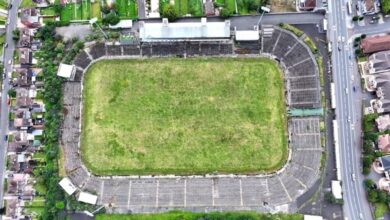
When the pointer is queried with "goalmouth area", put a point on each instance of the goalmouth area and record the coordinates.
(184, 116)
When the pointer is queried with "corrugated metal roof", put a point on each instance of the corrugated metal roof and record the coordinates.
(184, 30)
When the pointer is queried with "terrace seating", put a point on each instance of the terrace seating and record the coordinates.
(114, 50)
(131, 50)
(98, 50)
(82, 60)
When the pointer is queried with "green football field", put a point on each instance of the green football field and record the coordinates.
(183, 116)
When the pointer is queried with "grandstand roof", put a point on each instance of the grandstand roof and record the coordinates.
(184, 30)
(68, 186)
(87, 198)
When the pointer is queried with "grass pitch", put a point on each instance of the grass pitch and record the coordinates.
(183, 116)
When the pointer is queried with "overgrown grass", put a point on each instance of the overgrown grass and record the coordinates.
(291, 28)
(95, 10)
(380, 210)
(310, 43)
(320, 64)
(49, 11)
(196, 216)
(190, 116)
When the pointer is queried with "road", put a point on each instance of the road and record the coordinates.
(348, 112)
(8, 55)
(248, 22)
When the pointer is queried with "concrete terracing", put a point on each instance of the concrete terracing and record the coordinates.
(275, 191)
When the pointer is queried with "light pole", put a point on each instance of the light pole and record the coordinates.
(264, 9)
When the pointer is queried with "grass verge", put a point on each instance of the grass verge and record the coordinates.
(291, 28)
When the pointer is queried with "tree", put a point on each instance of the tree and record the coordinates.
(382, 196)
(385, 6)
(355, 18)
(15, 34)
(60, 205)
(361, 18)
(169, 12)
(372, 196)
(57, 8)
(12, 93)
(225, 13)
(363, 36)
(368, 183)
(111, 18)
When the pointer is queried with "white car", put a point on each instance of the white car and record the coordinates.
(9, 62)
(353, 177)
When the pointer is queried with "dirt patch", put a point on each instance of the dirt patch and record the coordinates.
(283, 6)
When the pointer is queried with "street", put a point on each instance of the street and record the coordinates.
(8, 55)
(348, 113)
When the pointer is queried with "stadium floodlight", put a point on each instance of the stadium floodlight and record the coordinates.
(94, 21)
(264, 9)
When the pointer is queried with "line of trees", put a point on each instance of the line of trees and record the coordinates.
(52, 52)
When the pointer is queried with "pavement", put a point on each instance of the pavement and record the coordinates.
(348, 112)
(8, 55)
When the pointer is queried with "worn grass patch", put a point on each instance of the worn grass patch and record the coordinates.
(183, 116)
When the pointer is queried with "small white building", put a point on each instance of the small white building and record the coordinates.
(336, 189)
(247, 35)
(123, 24)
(66, 71)
(87, 198)
(312, 217)
(68, 186)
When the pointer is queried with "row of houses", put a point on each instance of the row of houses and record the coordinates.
(26, 125)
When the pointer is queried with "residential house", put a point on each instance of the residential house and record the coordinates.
(26, 57)
(22, 98)
(370, 7)
(384, 163)
(24, 77)
(383, 123)
(22, 119)
(19, 142)
(307, 5)
(384, 143)
(375, 44)
(378, 62)
(209, 9)
(25, 38)
(30, 18)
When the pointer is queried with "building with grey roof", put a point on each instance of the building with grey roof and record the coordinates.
(184, 30)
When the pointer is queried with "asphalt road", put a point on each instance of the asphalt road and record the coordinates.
(348, 113)
(248, 22)
(8, 55)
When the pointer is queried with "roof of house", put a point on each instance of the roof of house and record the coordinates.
(66, 70)
(68, 186)
(25, 56)
(184, 30)
(369, 5)
(209, 8)
(307, 4)
(385, 160)
(247, 35)
(379, 61)
(29, 17)
(383, 122)
(25, 37)
(87, 198)
(375, 44)
(384, 143)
